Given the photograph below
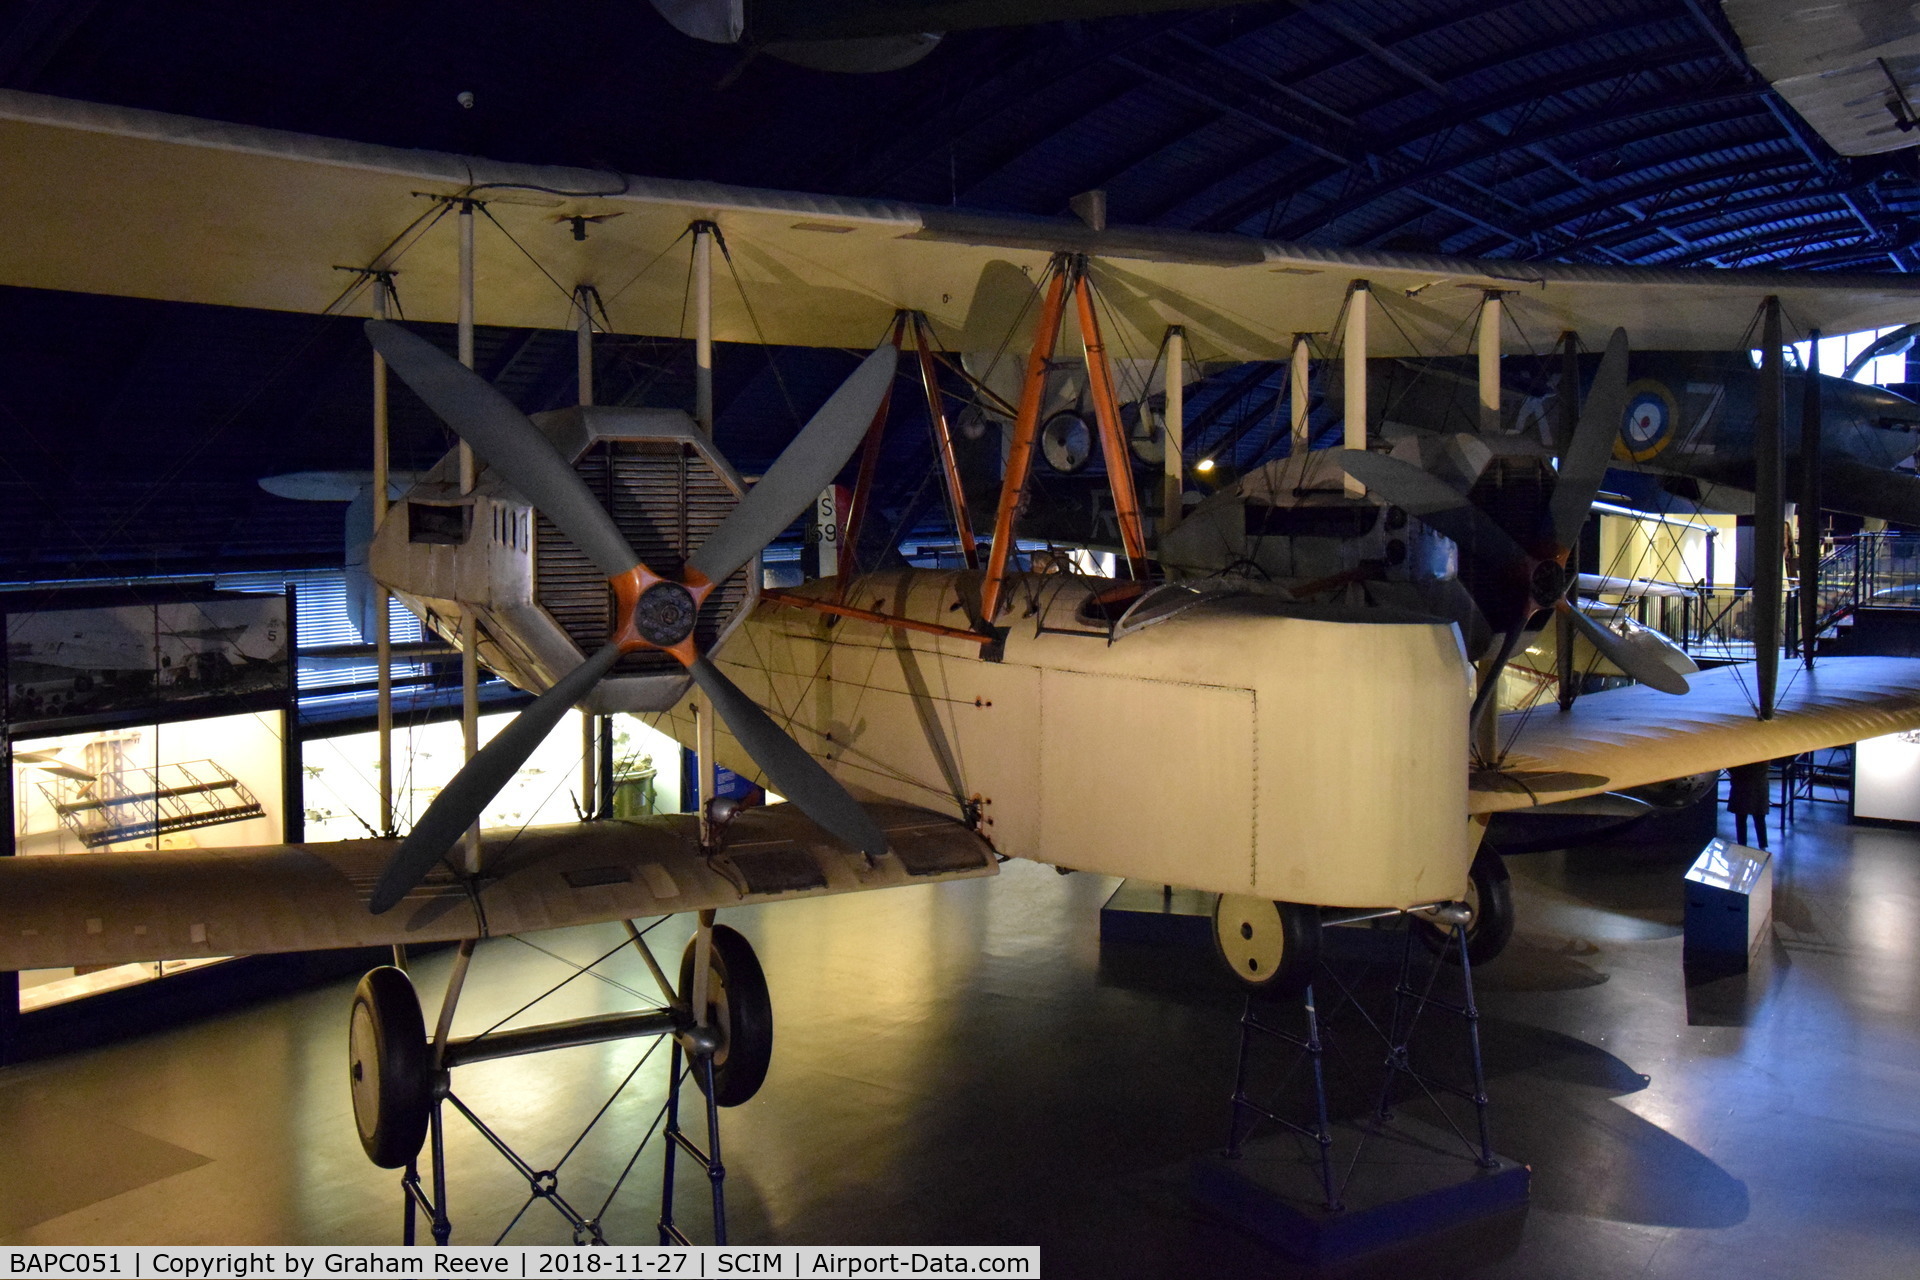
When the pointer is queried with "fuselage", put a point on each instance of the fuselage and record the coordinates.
(1224, 749)
(1688, 413)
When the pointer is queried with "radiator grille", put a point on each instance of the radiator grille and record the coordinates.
(666, 500)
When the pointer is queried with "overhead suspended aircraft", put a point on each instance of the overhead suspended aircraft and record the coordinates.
(1305, 760)
(877, 35)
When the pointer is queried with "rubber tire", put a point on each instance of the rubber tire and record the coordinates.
(387, 1036)
(1492, 926)
(1299, 927)
(743, 1012)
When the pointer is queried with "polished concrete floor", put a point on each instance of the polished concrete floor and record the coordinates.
(963, 1064)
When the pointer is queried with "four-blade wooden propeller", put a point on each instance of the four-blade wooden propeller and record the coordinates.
(653, 611)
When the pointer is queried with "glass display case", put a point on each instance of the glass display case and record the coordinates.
(138, 721)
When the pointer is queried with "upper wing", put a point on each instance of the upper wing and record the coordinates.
(260, 218)
(1628, 737)
(117, 908)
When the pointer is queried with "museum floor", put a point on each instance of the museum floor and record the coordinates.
(961, 1064)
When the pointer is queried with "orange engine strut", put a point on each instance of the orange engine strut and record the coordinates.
(943, 443)
(1026, 425)
(1113, 441)
(869, 460)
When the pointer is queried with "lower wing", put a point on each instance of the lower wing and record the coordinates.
(1630, 737)
(119, 908)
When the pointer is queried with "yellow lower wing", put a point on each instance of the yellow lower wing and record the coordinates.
(1629, 737)
(118, 908)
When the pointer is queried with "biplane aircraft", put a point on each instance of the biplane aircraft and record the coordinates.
(1312, 759)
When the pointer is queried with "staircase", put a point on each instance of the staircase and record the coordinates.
(1869, 596)
(1868, 589)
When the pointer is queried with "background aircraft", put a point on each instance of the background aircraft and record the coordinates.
(876, 35)
(355, 488)
(1687, 424)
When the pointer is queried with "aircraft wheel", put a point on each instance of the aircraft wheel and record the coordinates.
(387, 1055)
(1270, 946)
(1490, 896)
(739, 1006)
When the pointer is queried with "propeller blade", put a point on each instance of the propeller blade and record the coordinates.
(793, 483)
(1584, 465)
(507, 441)
(1435, 502)
(789, 769)
(1400, 482)
(1649, 667)
(460, 803)
(1450, 599)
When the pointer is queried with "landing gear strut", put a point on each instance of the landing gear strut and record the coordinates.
(1490, 925)
(720, 1022)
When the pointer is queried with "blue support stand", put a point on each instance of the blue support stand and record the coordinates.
(1327, 1190)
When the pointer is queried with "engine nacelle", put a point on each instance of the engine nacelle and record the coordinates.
(541, 606)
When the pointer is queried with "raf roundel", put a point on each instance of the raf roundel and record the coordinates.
(1647, 426)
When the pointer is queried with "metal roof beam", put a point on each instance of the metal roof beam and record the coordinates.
(38, 32)
(1420, 133)
(1686, 206)
(1232, 214)
(1754, 248)
(1475, 119)
(1822, 158)
(1724, 209)
(1329, 153)
(1009, 91)
(1637, 109)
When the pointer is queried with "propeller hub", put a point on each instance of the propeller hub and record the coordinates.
(665, 614)
(1548, 582)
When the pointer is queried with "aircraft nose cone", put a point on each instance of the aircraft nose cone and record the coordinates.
(665, 614)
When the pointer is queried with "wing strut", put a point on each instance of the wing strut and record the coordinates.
(1067, 273)
(1769, 509)
(1810, 501)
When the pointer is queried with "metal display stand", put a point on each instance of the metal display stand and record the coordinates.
(1324, 1188)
